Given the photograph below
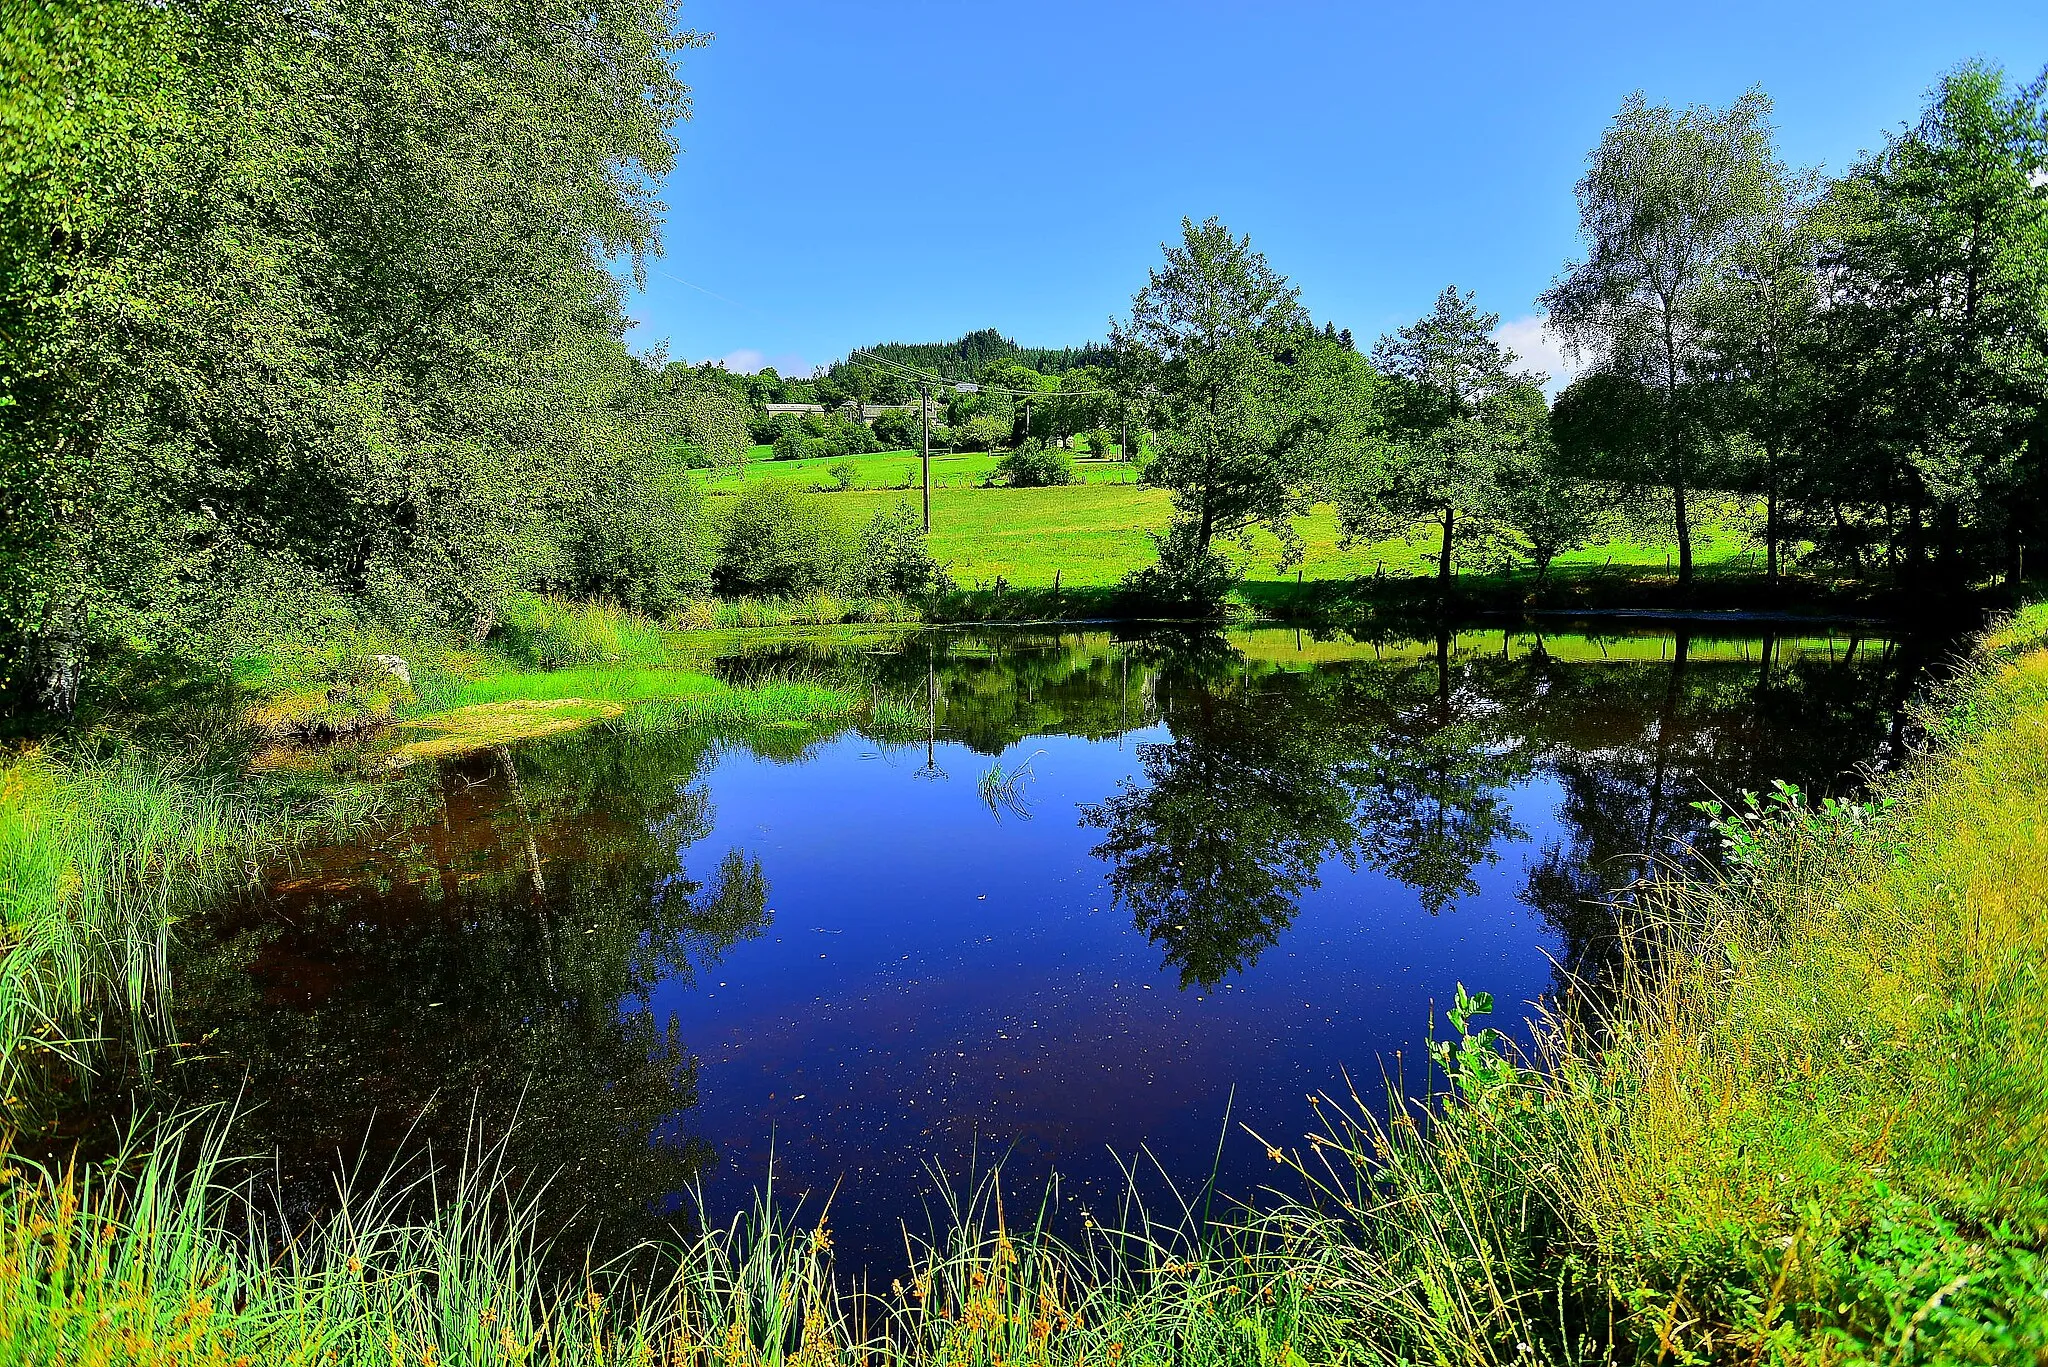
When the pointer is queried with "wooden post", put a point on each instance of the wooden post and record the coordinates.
(924, 412)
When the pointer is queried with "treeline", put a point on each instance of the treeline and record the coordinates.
(1016, 395)
(1863, 359)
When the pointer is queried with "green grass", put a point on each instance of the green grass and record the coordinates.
(885, 470)
(1093, 534)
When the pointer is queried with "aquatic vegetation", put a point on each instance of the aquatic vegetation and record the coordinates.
(1002, 790)
(96, 852)
(816, 609)
(480, 725)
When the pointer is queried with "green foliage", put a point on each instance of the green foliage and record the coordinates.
(843, 473)
(1461, 429)
(978, 434)
(1034, 465)
(361, 319)
(1666, 195)
(1185, 575)
(778, 543)
(1208, 345)
(895, 560)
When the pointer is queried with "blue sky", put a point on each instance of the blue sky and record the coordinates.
(908, 171)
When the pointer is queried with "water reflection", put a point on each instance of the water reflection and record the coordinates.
(491, 958)
(1309, 837)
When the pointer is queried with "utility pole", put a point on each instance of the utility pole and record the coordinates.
(924, 413)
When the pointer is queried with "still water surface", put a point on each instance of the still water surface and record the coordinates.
(1221, 872)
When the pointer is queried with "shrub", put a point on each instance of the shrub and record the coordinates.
(979, 434)
(1101, 443)
(779, 543)
(1187, 577)
(635, 536)
(790, 443)
(894, 556)
(1035, 465)
(899, 427)
(843, 473)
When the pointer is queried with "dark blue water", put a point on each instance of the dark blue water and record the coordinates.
(1225, 875)
(939, 977)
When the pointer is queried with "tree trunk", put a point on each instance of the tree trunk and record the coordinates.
(1683, 518)
(1443, 562)
(1771, 515)
(59, 665)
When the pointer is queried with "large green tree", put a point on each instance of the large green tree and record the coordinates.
(1667, 194)
(1209, 350)
(1455, 412)
(1760, 312)
(349, 320)
(1937, 324)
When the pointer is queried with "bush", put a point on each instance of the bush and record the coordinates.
(843, 473)
(978, 434)
(635, 536)
(1035, 465)
(779, 542)
(899, 428)
(790, 442)
(895, 558)
(1187, 577)
(1101, 443)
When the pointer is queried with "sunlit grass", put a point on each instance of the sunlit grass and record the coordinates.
(1092, 535)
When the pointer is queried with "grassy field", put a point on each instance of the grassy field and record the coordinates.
(899, 470)
(1092, 534)
(1809, 1126)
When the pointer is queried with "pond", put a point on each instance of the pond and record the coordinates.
(1116, 887)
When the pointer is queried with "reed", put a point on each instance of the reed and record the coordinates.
(97, 851)
(548, 633)
(818, 609)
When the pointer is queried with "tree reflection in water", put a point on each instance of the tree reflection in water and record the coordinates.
(494, 954)
(402, 995)
(1406, 766)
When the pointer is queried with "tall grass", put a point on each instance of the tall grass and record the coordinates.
(549, 633)
(96, 852)
(176, 1254)
(813, 610)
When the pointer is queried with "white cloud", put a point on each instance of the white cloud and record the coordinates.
(1537, 348)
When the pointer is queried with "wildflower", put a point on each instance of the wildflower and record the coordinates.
(1275, 1154)
(489, 1316)
(355, 1266)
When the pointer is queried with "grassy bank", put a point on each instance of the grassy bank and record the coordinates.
(1809, 1127)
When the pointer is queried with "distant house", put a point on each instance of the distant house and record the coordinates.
(868, 412)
